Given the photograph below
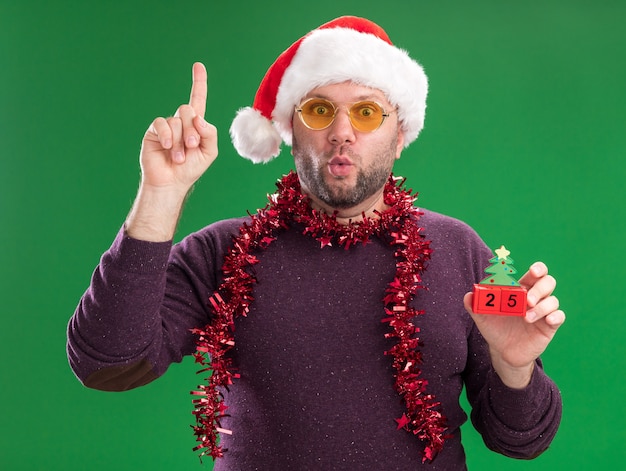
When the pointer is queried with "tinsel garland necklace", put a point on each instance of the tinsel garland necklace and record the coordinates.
(398, 226)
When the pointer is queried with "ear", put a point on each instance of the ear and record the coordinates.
(293, 138)
(400, 143)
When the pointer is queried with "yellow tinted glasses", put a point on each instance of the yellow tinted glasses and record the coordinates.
(318, 114)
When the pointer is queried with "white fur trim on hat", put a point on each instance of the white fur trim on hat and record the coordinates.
(254, 137)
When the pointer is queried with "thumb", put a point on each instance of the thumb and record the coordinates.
(467, 302)
(208, 135)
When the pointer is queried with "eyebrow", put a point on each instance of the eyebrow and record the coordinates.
(359, 98)
(368, 97)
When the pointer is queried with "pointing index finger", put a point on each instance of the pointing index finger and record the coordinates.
(197, 99)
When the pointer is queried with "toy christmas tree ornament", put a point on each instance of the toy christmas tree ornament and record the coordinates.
(500, 293)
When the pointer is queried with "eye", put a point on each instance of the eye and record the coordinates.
(367, 110)
(319, 108)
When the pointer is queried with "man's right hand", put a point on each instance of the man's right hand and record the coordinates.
(175, 152)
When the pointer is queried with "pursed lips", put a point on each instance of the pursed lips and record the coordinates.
(340, 166)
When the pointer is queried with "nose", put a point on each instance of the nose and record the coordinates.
(341, 130)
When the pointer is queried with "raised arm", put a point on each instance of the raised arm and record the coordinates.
(175, 152)
(126, 330)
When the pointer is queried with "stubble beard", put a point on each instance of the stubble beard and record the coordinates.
(310, 166)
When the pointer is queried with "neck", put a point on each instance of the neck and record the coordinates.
(369, 208)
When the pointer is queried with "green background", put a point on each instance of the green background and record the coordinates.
(524, 140)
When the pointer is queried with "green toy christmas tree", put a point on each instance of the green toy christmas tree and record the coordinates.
(501, 269)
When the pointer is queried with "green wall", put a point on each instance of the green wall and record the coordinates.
(524, 140)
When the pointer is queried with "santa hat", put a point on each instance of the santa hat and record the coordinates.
(345, 49)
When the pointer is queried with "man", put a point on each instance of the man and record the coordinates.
(337, 320)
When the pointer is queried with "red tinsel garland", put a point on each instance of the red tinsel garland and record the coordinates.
(398, 226)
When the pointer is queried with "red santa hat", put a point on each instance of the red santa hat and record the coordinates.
(345, 49)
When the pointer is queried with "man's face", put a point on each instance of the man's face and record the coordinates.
(341, 168)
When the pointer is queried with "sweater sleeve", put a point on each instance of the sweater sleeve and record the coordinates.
(134, 320)
(519, 423)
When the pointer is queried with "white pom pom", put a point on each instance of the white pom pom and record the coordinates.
(254, 136)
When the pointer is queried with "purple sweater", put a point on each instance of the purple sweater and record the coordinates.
(316, 390)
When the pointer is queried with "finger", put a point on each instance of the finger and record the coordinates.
(543, 309)
(190, 135)
(197, 98)
(532, 281)
(555, 319)
(162, 131)
(536, 271)
(540, 290)
(467, 301)
(177, 151)
(207, 133)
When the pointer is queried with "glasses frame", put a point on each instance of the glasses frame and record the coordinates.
(335, 108)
